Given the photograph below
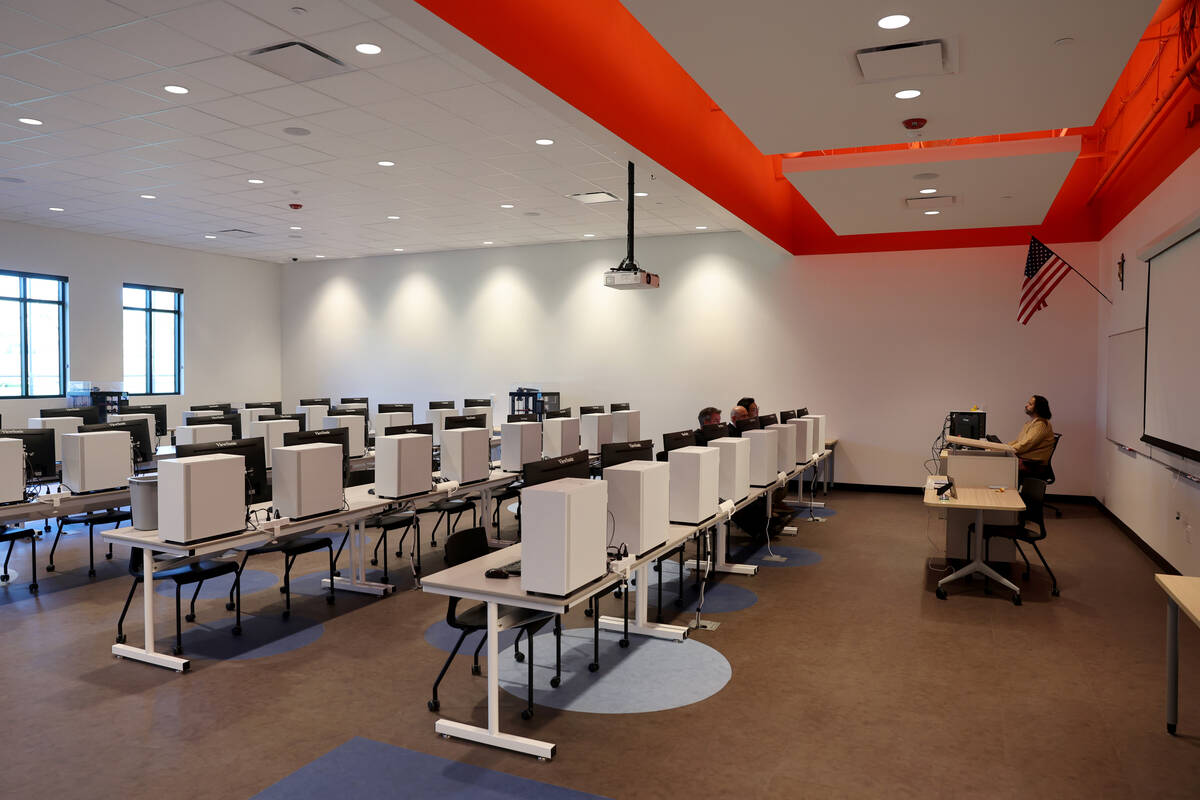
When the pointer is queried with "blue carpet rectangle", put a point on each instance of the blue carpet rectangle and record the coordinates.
(363, 767)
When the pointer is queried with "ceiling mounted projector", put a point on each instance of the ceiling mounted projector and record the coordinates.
(627, 274)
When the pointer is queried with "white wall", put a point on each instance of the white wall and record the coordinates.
(1144, 494)
(231, 313)
(886, 343)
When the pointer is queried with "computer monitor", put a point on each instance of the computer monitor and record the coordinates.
(784, 416)
(466, 421)
(767, 419)
(801, 412)
(562, 412)
(484, 402)
(347, 412)
(551, 469)
(301, 418)
(39, 451)
(969, 424)
(277, 405)
(747, 424)
(139, 437)
(348, 400)
(323, 436)
(222, 407)
(90, 414)
(620, 452)
(423, 427)
(522, 417)
(709, 432)
(315, 401)
(674, 441)
(233, 420)
(391, 408)
(618, 407)
(258, 490)
(441, 404)
(591, 410)
(158, 410)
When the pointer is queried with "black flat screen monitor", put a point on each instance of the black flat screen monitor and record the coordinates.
(674, 441)
(551, 469)
(39, 451)
(139, 437)
(90, 414)
(784, 416)
(348, 400)
(233, 420)
(709, 432)
(276, 405)
(392, 408)
(562, 412)
(441, 404)
(466, 421)
(747, 424)
(324, 436)
(477, 402)
(801, 412)
(158, 410)
(301, 418)
(315, 401)
(422, 427)
(618, 407)
(591, 410)
(621, 452)
(522, 417)
(970, 424)
(223, 407)
(767, 419)
(258, 490)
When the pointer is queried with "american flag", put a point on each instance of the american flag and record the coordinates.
(1043, 271)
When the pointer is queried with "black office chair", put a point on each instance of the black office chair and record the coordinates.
(1033, 493)
(109, 516)
(451, 510)
(1046, 473)
(291, 549)
(11, 537)
(394, 521)
(197, 572)
(467, 545)
(510, 492)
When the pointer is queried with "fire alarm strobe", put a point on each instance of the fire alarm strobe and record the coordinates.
(914, 123)
(298, 206)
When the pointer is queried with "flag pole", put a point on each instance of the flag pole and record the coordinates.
(1089, 283)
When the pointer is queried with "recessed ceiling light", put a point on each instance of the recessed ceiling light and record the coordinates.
(295, 228)
(932, 213)
(589, 235)
(701, 227)
(175, 89)
(397, 249)
(318, 256)
(30, 121)
(489, 242)
(641, 194)
(507, 205)
(368, 49)
(893, 21)
(386, 163)
(149, 196)
(297, 131)
(544, 142)
(255, 181)
(55, 208)
(393, 216)
(907, 94)
(929, 191)
(209, 236)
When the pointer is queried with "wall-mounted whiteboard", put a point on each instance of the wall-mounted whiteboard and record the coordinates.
(1126, 395)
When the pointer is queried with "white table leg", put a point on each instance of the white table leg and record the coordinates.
(147, 652)
(641, 625)
(978, 565)
(357, 582)
(720, 564)
(492, 735)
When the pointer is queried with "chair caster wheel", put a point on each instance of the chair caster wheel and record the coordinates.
(4, 578)
(475, 670)
(237, 630)
(286, 614)
(519, 656)
(121, 639)
(1054, 592)
(657, 567)
(229, 606)
(416, 570)
(282, 590)
(33, 587)
(177, 650)
(91, 573)
(617, 594)
(434, 705)
(1016, 599)
(337, 573)
(374, 562)
(108, 556)
(623, 643)
(329, 601)
(554, 682)
(940, 593)
(593, 667)
(49, 568)
(526, 714)
(587, 612)
(190, 617)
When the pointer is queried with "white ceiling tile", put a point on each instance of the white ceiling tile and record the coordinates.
(224, 27)
(209, 169)
(62, 107)
(152, 83)
(424, 75)
(241, 111)
(393, 140)
(297, 155)
(148, 8)
(160, 154)
(469, 102)
(297, 100)
(156, 42)
(341, 44)
(47, 74)
(357, 88)
(87, 54)
(141, 129)
(13, 91)
(117, 162)
(349, 120)
(247, 139)
(99, 138)
(201, 147)
(294, 175)
(57, 146)
(319, 16)
(251, 161)
(121, 98)
(23, 31)
(190, 121)
(234, 75)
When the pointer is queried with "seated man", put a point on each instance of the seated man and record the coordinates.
(709, 415)
(1036, 441)
(750, 406)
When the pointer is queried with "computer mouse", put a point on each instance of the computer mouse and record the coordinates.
(496, 573)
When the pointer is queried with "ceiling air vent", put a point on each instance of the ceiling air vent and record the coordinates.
(589, 198)
(296, 61)
(930, 203)
(236, 233)
(907, 60)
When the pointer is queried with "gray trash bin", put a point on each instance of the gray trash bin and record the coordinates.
(143, 501)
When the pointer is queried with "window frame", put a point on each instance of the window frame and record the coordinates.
(23, 301)
(149, 310)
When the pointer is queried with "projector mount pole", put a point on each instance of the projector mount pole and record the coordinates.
(629, 263)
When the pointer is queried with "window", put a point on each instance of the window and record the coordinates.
(153, 318)
(33, 335)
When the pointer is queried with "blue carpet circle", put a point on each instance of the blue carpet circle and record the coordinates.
(649, 675)
(719, 597)
(796, 557)
(262, 636)
(253, 580)
(443, 637)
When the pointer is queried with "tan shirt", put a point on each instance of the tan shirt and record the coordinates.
(1036, 441)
